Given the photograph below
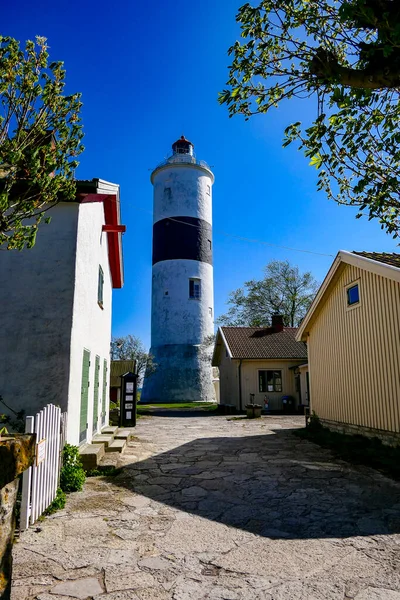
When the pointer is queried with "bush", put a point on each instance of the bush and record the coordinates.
(314, 422)
(57, 504)
(110, 471)
(72, 476)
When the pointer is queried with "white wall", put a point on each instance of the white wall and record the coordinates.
(176, 318)
(189, 186)
(36, 298)
(91, 324)
(179, 323)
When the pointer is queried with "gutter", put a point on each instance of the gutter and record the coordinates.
(240, 385)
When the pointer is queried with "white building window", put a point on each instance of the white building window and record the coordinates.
(208, 191)
(100, 287)
(270, 381)
(353, 296)
(195, 289)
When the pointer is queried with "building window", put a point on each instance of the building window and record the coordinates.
(194, 289)
(100, 287)
(208, 191)
(210, 311)
(167, 193)
(353, 295)
(270, 381)
(209, 244)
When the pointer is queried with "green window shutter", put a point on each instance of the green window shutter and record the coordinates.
(104, 399)
(100, 287)
(84, 396)
(96, 392)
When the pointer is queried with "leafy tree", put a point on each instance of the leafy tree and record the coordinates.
(131, 347)
(283, 290)
(347, 54)
(40, 138)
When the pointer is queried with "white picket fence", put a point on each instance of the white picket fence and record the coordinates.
(40, 482)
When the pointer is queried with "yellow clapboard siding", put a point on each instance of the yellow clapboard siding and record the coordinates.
(354, 354)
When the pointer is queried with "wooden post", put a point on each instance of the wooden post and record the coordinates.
(17, 453)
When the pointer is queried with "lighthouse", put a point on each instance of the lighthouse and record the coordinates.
(182, 315)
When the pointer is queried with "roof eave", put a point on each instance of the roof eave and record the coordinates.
(220, 334)
(302, 333)
(99, 190)
(349, 258)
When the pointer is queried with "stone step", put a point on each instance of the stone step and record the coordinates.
(124, 433)
(101, 438)
(109, 460)
(109, 430)
(90, 455)
(116, 446)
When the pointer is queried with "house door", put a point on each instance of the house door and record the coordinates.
(105, 398)
(308, 388)
(84, 397)
(96, 393)
(298, 387)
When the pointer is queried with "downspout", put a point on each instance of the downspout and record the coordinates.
(240, 385)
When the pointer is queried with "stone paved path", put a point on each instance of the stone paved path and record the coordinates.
(207, 508)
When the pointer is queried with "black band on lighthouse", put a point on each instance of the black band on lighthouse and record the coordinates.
(182, 237)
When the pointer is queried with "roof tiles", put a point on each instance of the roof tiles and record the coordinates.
(388, 258)
(264, 343)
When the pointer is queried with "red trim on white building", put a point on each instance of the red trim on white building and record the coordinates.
(114, 231)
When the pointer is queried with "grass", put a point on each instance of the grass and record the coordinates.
(355, 449)
(145, 408)
(109, 471)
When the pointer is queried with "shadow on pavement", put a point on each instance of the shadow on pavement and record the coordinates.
(274, 485)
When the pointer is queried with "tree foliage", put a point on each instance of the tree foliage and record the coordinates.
(283, 290)
(131, 347)
(346, 53)
(40, 138)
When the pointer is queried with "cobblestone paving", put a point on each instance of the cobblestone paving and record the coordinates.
(210, 508)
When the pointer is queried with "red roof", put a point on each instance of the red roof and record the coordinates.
(181, 140)
(264, 343)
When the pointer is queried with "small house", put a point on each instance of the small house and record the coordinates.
(56, 301)
(352, 331)
(118, 368)
(261, 364)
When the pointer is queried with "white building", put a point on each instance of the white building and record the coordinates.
(56, 311)
(182, 286)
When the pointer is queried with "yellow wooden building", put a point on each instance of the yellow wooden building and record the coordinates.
(352, 331)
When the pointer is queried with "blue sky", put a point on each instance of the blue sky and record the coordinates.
(150, 72)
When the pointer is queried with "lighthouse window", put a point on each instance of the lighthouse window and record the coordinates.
(194, 288)
(208, 190)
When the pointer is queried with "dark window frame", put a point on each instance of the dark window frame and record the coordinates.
(193, 295)
(264, 379)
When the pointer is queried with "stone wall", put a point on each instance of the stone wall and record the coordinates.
(388, 438)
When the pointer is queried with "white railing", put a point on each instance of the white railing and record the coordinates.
(40, 482)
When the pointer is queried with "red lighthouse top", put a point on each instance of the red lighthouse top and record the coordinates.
(182, 146)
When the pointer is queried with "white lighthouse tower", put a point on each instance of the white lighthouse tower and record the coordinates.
(182, 287)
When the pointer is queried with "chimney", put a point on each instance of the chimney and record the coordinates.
(277, 323)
